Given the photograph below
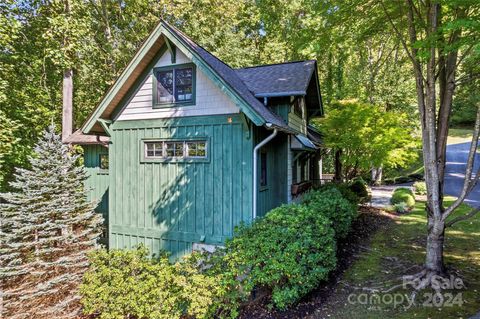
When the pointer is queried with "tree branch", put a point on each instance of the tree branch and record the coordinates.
(467, 78)
(465, 54)
(470, 214)
(399, 35)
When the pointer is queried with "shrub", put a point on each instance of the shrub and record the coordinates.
(401, 207)
(289, 251)
(330, 203)
(125, 284)
(344, 189)
(359, 187)
(404, 195)
(420, 188)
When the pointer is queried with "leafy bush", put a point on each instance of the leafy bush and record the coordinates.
(401, 207)
(344, 189)
(330, 203)
(289, 251)
(420, 188)
(359, 187)
(404, 195)
(125, 284)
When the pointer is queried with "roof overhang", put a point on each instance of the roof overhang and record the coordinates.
(280, 94)
(302, 143)
(78, 138)
(315, 136)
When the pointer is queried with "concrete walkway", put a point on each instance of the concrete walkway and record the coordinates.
(381, 194)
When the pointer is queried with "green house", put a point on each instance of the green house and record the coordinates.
(183, 148)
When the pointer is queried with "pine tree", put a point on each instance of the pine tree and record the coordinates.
(47, 226)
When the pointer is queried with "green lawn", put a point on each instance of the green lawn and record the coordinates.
(459, 135)
(397, 248)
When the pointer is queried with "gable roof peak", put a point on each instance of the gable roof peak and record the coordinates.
(217, 70)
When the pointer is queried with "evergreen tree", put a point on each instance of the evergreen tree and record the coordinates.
(46, 229)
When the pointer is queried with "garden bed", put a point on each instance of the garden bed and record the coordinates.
(368, 222)
(379, 250)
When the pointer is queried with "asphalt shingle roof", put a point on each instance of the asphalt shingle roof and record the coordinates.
(290, 78)
(233, 79)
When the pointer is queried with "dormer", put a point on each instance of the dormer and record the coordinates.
(291, 90)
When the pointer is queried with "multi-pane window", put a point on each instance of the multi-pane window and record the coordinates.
(154, 149)
(174, 85)
(196, 149)
(175, 149)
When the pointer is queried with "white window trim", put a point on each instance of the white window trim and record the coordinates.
(164, 149)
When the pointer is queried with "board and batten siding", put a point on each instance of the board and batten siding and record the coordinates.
(273, 193)
(209, 100)
(97, 183)
(170, 206)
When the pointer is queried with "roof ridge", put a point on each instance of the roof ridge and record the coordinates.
(196, 43)
(273, 64)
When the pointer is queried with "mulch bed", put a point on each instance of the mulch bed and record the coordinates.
(368, 222)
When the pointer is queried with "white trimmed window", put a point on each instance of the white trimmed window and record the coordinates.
(175, 149)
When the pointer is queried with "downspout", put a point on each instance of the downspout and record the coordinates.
(255, 156)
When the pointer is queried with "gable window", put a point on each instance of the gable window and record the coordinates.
(175, 149)
(174, 85)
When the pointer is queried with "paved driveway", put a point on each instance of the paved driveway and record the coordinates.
(455, 172)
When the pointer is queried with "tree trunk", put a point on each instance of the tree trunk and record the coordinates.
(377, 175)
(67, 107)
(338, 166)
(435, 241)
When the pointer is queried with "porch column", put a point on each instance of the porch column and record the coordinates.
(320, 170)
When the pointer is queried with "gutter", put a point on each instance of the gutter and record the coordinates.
(280, 94)
(255, 166)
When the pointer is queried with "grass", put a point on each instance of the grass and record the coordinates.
(459, 135)
(402, 245)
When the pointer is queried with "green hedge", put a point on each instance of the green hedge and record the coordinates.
(127, 284)
(359, 187)
(403, 195)
(330, 203)
(289, 251)
(344, 189)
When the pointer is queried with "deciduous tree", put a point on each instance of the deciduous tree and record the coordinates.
(438, 37)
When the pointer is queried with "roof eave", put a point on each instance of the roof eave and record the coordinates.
(280, 94)
(147, 45)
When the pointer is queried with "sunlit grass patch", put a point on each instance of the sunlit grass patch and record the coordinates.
(402, 245)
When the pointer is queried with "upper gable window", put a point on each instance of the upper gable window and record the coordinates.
(174, 85)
